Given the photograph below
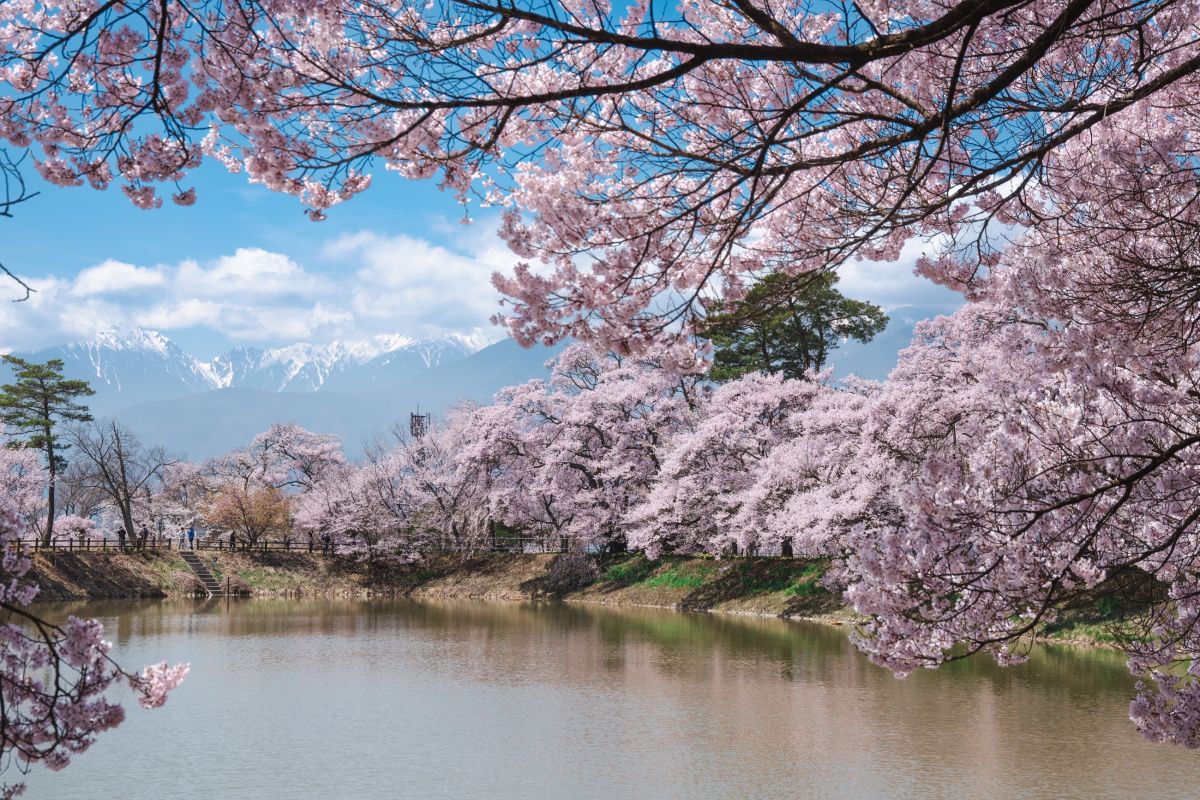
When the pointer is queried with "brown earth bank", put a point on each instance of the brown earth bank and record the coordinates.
(746, 585)
(767, 586)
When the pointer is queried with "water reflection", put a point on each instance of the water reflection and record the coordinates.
(375, 699)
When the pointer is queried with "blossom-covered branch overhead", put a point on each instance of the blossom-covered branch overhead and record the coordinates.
(657, 157)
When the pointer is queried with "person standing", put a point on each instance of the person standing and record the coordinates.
(121, 536)
(191, 537)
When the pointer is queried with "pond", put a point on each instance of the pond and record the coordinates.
(403, 699)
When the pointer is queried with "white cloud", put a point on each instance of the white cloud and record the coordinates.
(115, 277)
(894, 283)
(417, 287)
(356, 286)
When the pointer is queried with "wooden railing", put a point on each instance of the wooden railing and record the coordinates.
(497, 544)
(263, 545)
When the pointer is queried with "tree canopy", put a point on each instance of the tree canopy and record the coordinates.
(685, 150)
(33, 408)
(1031, 449)
(780, 329)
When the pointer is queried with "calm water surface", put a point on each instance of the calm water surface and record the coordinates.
(396, 699)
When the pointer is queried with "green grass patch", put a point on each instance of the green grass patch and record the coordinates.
(808, 582)
(674, 578)
(627, 572)
(267, 579)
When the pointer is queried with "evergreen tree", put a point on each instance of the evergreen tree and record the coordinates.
(788, 324)
(33, 406)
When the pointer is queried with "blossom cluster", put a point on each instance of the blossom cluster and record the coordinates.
(54, 679)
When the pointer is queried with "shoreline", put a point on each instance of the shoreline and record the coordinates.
(749, 586)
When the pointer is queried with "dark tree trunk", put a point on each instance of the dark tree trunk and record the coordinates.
(48, 536)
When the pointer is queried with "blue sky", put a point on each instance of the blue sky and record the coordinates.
(245, 266)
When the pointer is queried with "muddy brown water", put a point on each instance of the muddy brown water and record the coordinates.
(294, 699)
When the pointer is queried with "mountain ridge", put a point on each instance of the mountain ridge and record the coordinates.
(357, 389)
(138, 364)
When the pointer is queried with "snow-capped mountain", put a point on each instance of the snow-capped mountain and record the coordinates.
(208, 423)
(138, 365)
(126, 364)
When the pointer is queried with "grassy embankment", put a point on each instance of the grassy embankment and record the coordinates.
(765, 586)
(749, 585)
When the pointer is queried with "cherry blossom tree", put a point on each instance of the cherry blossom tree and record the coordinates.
(252, 489)
(762, 451)
(1043, 451)
(581, 449)
(23, 481)
(54, 678)
(687, 151)
(286, 457)
(368, 510)
(252, 513)
(450, 487)
(76, 529)
(289, 457)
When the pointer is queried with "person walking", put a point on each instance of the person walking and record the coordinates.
(121, 536)
(191, 537)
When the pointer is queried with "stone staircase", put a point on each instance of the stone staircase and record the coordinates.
(211, 584)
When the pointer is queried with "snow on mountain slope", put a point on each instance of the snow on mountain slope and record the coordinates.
(138, 365)
(208, 423)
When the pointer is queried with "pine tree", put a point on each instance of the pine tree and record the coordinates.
(788, 325)
(33, 406)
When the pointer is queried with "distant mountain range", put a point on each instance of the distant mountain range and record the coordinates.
(356, 389)
(139, 365)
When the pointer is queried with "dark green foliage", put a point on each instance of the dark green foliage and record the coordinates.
(628, 572)
(31, 409)
(788, 325)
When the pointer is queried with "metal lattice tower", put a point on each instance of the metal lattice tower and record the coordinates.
(418, 424)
